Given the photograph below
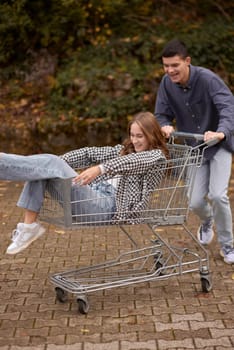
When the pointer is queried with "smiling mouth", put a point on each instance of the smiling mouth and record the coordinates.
(174, 76)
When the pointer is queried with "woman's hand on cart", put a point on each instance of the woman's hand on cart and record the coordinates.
(87, 176)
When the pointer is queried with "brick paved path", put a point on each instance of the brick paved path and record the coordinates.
(167, 314)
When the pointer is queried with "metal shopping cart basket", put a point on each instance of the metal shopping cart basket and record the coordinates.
(160, 259)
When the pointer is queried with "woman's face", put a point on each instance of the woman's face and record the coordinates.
(138, 139)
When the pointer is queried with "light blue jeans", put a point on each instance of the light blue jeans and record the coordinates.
(37, 170)
(209, 197)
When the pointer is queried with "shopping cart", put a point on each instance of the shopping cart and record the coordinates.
(168, 205)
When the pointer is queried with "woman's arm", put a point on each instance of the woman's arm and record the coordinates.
(131, 164)
(134, 163)
(88, 156)
(88, 175)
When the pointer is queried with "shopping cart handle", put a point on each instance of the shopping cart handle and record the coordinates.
(197, 137)
(187, 135)
(212, 142)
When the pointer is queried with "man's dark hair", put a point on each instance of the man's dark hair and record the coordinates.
(175, 47)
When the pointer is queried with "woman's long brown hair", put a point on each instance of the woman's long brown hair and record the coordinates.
(151, 130)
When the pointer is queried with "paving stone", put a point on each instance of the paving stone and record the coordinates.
(187, 317)
(218, 333)
(104, 346)
(175, 344)
(222, 341)
(200, 333)
(38, 347)
(14, 341)
(146, 345)
(84, 338)
(170, 314)
(173, 325)
(77, 346)
(207, 324)
(166, 335)
(108, 337)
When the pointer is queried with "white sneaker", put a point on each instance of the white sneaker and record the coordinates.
(23, 236)
(227, 253)
(205, 233)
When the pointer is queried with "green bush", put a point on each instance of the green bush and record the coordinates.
(105, 53)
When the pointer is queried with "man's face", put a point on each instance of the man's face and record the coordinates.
(177, 68)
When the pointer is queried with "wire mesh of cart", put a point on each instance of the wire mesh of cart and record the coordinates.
(168, 205)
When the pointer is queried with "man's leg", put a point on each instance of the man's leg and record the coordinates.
(201, 206)
(220, 172)
(198, 196)
(215, 176)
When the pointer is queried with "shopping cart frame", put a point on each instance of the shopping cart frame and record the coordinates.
(157, 261)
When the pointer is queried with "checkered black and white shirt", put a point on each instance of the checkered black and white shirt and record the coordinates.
(139, 172)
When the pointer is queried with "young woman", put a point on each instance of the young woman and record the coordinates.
(136, 162)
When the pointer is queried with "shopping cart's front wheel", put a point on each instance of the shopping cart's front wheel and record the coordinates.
(83, 304)
(159, 263)
(206, 285)
(61, 294)
(206, 280)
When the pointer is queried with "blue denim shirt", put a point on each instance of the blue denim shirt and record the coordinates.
(205, 103)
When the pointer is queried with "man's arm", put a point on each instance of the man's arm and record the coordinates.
(163, 111)
(208, 135)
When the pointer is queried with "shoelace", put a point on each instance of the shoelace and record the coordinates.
(15, 234)
(206, 226)
(228, 250)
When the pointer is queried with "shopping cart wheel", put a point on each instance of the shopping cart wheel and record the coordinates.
(158, 263)
(206, 282)
(206, 285)
(83, 305)
(61, 294)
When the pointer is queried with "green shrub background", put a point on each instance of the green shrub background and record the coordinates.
(70, 65)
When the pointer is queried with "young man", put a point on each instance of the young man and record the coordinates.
(198, 101)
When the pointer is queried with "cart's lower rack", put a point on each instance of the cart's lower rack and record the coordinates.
(139, 265)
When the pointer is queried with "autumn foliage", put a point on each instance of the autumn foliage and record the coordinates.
(82, 67)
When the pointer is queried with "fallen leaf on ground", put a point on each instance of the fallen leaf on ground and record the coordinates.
(61, 232)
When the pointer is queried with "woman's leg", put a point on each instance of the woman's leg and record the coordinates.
(32, 195)
(30, 216)
(33, 169)
(93, 204)
(31, 199)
